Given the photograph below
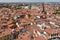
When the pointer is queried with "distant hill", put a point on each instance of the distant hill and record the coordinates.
(30, 2)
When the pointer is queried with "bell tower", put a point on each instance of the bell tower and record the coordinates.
(43, 8)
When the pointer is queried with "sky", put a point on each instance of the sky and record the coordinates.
(29, 0)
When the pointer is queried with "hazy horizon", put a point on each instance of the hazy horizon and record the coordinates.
(8, 1)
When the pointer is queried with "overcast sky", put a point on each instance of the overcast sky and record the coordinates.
(29, 0)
